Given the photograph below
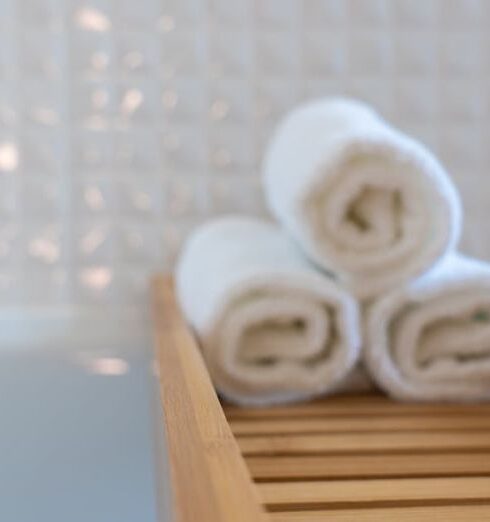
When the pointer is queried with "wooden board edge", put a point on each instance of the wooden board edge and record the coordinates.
(210, 480)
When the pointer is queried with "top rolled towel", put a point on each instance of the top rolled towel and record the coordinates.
(362, 199)
(272, 329)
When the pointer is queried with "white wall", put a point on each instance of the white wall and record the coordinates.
(124, 123)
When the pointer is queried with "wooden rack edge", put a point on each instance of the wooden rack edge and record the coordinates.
(210, 480)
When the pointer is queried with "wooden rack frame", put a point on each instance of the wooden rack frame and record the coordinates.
(346, 459)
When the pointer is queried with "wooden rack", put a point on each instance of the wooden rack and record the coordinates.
(348, 459)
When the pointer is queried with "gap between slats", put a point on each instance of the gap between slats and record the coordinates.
(357, 407)
(378, 424)
(464, 513)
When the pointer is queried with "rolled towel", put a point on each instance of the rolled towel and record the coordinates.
(271, 328)
(430, 341)
(361, 198)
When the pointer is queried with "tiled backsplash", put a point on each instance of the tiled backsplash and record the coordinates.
(124, 123)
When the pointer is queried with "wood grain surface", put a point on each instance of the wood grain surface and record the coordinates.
(210, 481)
(367, 458)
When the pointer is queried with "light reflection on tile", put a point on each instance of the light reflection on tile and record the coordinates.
(92, 240)
(92, 19)
(132, 99)
(112, 366)
(9, 156)
(44, 249)
(94, 199)
(97, 278)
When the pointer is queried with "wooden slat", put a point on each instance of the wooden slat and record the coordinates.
(364, 443)
(406, 514)
(368, 466)
(356, 406)
(360, 424)
(210, 481)
(364, 493)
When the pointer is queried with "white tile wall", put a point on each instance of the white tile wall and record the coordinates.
(125, 123)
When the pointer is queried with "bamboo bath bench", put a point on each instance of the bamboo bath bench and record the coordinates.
(348, 459)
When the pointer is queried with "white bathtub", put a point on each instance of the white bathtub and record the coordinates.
(80, 433)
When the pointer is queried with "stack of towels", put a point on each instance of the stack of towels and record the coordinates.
(362, 269)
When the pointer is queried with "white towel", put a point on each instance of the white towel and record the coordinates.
(361, 198)
(271, 328)
(431, 340)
